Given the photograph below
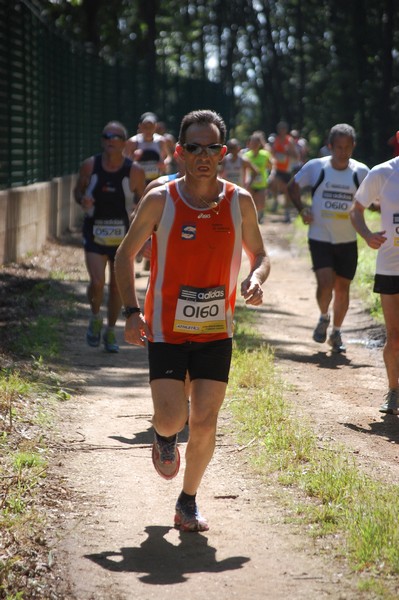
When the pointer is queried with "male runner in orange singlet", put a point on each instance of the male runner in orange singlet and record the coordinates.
(199, 224)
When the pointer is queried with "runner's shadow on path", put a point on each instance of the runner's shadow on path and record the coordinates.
(146, 437)
(163, 562)
(386, 428)
(324, 360)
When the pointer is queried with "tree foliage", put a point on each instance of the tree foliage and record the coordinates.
(312, 63)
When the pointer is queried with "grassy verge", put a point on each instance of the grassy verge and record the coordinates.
(338, 501)
(30, 386)
(29, 390)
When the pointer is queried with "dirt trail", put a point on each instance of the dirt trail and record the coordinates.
(116, 540)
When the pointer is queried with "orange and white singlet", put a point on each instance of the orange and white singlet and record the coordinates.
(281, 148)
(195, 262)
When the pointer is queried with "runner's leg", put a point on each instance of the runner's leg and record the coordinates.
(206, 399)
(96, 265)
(341, 300)
(325, 278)
(390, 307)
(170, 406)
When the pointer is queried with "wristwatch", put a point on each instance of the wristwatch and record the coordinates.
(130, 310)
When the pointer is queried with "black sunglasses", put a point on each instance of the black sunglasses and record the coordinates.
(112, 136)
(211, 149)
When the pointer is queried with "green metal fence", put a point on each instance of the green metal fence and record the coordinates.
(55, 98)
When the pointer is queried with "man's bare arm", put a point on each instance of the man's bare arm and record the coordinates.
(294, 193)
(82, 183)
(374, 240)
(145, 222)
(255, 249)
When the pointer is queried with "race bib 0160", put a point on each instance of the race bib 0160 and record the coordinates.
(200, 310)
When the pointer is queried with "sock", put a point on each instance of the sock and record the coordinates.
(325, 316)
(336, 329)
(186, 498)
(170, 438)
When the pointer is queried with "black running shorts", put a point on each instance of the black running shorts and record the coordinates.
(208, 360)
(284, 176)
(386, 284)
(342, 258)
(91, 246)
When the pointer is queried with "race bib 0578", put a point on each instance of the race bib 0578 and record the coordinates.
(109, 233)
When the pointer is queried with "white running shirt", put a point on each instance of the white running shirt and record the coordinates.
(332, 199)
(382, 183)
(232, 170)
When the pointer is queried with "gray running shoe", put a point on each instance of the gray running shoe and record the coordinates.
(335, 342)
(93, 334)
(320, 333)
(188, 518)
(391, 404)
(165, 457)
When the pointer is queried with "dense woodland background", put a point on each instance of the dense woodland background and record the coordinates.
(312, 63)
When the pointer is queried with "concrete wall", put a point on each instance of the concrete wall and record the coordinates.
(30, 215)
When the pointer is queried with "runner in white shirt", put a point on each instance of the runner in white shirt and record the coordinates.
(148, 148)
(381, 185)
(332, 239)
(234, 166)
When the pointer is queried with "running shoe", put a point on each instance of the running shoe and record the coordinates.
(391, 404)
(187, 517)
(109, 339)
(320, 333)
(93, 333)
(287, 217)
(335, 342)
(165, 457)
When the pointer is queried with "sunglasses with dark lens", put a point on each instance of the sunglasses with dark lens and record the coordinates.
(211, 149)
(112, 136)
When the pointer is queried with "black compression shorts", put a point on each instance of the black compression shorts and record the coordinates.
(208, 360)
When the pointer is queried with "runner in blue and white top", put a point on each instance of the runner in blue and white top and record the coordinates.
(333, 181)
